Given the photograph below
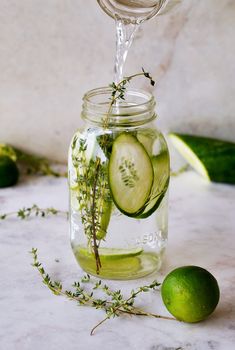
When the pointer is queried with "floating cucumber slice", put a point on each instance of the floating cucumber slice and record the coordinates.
(161, 169)
(211, 158)
(147, 141)
(130, 174)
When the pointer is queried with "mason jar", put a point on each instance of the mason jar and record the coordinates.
(118, 183)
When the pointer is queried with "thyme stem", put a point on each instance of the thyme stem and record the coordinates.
(93, 211)
(99, 324)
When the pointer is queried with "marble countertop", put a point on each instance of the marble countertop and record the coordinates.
(201, 232)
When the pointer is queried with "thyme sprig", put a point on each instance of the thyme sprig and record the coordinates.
(119, 89)
(34, 210)
(112, 303)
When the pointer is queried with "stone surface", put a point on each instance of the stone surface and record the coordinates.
(52, 52)
(201, 232)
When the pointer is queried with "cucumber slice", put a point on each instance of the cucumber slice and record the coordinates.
(211, 158)
(161, 167)
(130, 174)
(147, 141)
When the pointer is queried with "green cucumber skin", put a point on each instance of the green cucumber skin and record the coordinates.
(160, 194)
(141, 210)
(144, 215)
(218, 156)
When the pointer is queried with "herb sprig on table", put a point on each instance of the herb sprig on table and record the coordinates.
(34, 210)
(112, 303)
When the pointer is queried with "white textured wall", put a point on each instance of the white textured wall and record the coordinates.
(52, 51)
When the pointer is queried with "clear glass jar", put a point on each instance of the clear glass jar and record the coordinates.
(118, 180)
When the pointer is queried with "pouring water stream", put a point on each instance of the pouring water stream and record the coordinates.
(125, 34)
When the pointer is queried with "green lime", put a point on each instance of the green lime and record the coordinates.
(9, 172)
(190, 293)
(6, 150)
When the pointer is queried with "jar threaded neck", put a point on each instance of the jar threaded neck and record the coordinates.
(137, 108)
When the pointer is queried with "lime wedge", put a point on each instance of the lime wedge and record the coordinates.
(116, 263)
(110, 253)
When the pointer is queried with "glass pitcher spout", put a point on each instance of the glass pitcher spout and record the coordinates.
(130, 11)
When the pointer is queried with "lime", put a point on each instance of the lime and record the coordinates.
(9, 172)
(116, 263)
(110, 253)
(190, 293)
(6, 150)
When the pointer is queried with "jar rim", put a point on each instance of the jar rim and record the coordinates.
(104, 90)
(137, 107)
